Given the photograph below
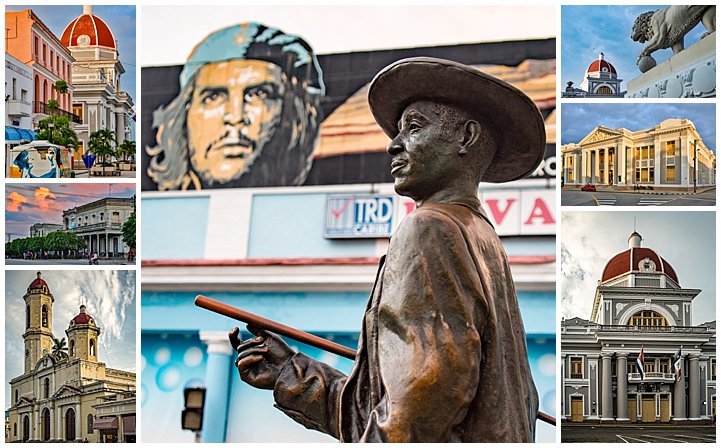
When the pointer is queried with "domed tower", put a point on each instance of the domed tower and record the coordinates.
(83, 335)
(601, 79)
(638, 287)
(38, 334)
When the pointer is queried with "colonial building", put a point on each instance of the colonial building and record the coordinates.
(639, 306)
(98, 99)
(43, 229)
(671, 155)
(28, 39)
(100, 223)
(600, 81)
(18, 105)
(55, 398)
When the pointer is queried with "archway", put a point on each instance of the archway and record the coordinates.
(70, 425)
(46, 424)
(26, 428)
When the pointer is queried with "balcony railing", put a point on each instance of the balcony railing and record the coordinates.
(19, 108)
(635, 328)
(98, 226)
(652, 377)
(42, 108)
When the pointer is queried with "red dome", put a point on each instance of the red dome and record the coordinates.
(82, 318)
(629, 261)
(38, 283)
(598, 66)
(91, 26)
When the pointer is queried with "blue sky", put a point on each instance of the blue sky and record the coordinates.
(578, 120)
(120, 19)
(589, 30)
(109, 297)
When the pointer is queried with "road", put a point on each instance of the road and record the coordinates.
(579, 198)
(13, 261)
(638, 434)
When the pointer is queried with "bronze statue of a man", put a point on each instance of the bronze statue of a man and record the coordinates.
(442, 353)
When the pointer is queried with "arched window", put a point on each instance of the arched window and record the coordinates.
(26, 428)
(92, 347)
(27, 317)
(16, 396)
(648, 318)
(46, 424)
(72, 347)
(90, 423)
(604, 90)
(45, 316)
(46, 388)
(15, 429)
(70, 425)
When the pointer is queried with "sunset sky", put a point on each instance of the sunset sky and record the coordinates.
(27, 204)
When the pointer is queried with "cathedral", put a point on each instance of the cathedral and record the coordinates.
(600, 81)
(639, 358)
(64, 392)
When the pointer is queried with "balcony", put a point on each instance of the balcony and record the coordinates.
(635, 329)
(116, 226)
(42, 109)
(652, 377)
(19, 108)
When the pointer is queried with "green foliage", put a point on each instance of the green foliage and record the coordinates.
(61, 86)
(102, 144)
(61, 133)
(129, 231)
(60, 348)
(53, 106)
(58, 242)
(126, 150)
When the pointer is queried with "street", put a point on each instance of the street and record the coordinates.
(637, 434)
(113, 262)
(580, 198)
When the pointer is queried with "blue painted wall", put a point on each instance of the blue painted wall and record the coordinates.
(174, 228)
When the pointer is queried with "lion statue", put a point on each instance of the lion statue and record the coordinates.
(666, 28)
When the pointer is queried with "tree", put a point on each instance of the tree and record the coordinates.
(61, 87)
(61, 133)
(53, 106)
(126, 150)
(129, 231)
(101, 144)
(60, 348)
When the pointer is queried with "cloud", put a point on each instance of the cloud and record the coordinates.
(44, 198)
(15, 202)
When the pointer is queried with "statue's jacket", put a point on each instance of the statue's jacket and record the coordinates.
(442, 353)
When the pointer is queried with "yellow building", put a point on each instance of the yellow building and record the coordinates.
(56, 397)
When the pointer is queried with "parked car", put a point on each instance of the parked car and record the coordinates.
(588, 187)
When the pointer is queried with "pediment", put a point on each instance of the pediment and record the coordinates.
(66, 391)
(600, 134)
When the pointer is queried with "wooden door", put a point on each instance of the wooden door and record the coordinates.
(576, 409)
(665, 409)
(648, 409)
(632, 409)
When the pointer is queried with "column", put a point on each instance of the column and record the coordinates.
(217, 383)
(679, 396)
(564, 397)
(606, 389)
(621, 386)
(694, 391)
(120, 126)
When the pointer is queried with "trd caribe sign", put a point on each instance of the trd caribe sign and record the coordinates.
(359, 216)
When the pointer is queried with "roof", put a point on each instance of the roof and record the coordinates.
(600, 65)
(39, 283)
(629, 260)
(94, 27)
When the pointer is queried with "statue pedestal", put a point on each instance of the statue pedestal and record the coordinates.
(688, 74)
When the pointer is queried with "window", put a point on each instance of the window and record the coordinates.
(649, 367)
(46, 388)
(36, 49)
(72, 347)
(90, 423)
(647, 318)
(713, 369)
(70, 425)
(15, 87)
(116, 217)
(45, 316)
(605, 90)
(576, 367)
(27, 317)
(15, 429)
(23, 95)
(644, 156)
(16, 396)
(670, 174)
(92, 347)
(670, 153)
(78, 110)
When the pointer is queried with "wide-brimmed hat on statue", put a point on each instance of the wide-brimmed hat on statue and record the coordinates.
(514, 119)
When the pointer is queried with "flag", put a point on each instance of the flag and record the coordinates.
(639, 364)
(677, 360)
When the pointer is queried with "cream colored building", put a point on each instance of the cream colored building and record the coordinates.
(671, 155)
(100, 223)
(55, 398)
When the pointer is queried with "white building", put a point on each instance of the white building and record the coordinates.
(98, 98)
(671, 155)
(600, 81)
(100, 223)
(44, 229)
(639, 306)
(18, 103)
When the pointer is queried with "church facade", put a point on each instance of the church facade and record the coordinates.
(61, 394)
(639, 358)
(669, 156)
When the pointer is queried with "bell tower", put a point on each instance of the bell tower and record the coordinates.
(38, 334)
(83, 335)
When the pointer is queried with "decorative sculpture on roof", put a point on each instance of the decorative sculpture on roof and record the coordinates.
(667, 27)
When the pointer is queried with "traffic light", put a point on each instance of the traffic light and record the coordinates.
(192, 416)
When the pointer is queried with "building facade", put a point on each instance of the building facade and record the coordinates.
(100, 223)
(641, 316)
(599, 81)
(18, 104)
(98, 98)
(29, 39)
(670, 156)
(43, 229)
(55, 398)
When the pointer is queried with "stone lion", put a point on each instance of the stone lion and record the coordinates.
(666, 28)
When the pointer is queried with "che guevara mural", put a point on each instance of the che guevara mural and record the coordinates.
(255, 106)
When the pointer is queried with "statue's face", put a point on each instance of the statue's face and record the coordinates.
(425, 153)
(234, 111)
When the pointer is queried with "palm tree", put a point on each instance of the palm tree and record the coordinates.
(57, 130)
(60, 348)
(101, 144)
(126, 150)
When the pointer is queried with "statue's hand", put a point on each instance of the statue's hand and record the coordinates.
(260, 359)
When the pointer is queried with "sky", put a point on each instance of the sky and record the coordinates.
(120, 19)
(340, 29)
(579, 119)
(27, 204)
(587, 31)
(590, 239)
(109, 297)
